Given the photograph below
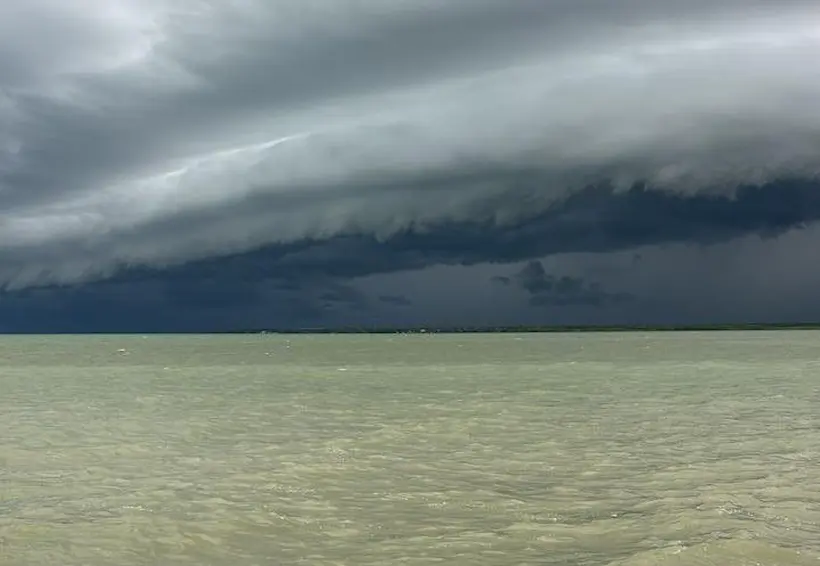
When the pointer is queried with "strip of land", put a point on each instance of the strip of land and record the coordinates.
(531, 329)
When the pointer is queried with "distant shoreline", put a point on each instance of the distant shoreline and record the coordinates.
(567, 329)
(537, 329)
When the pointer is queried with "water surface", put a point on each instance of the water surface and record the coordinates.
(577, 449)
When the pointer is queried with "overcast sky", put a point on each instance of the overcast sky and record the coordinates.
(220, 164)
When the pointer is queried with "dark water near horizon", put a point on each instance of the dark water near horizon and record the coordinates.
(486, 449)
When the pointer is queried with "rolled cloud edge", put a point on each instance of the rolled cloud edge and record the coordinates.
(599, 218)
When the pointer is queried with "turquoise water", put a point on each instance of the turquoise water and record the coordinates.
(576, 449)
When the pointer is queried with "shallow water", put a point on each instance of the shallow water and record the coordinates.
(577, 449)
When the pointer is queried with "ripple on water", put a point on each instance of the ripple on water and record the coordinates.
(641, 460)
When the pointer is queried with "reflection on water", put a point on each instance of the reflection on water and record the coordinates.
(584, 449)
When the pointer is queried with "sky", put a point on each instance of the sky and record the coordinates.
(244, 164)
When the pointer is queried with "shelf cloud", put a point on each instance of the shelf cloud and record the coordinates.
(347, 138)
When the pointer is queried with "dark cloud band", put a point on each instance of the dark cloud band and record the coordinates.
(340, 139)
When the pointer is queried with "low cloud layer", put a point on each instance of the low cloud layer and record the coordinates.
(547, 290)
(347, 138)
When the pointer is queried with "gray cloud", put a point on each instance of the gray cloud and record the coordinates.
(153, 133)
(396, 300)
(547, 290)
(749, 279)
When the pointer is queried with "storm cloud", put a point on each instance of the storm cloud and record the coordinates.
(547, 290)
(306, 143)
